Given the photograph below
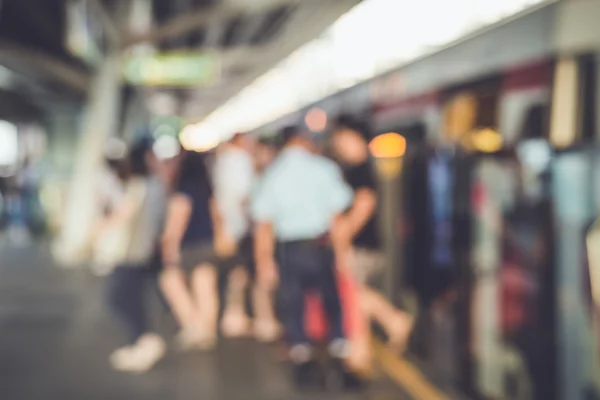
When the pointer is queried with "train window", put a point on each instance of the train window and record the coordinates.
(463, 117)
(487, 115)
(535, 122)
(414, 134)
(564, 117)
(588, 86)
(574, 101)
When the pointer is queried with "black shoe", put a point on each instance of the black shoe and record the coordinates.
(341, 378)
(308, 376)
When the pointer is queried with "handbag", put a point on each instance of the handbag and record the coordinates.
(111, 248)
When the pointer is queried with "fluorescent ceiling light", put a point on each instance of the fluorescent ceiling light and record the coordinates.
(372, 38)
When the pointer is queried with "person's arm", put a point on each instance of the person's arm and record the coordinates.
(179, 210)
(126, 209)
(264, 236)
(215, 215)
(224, 243)
(264, 254)
(362, 210)
(340, 196)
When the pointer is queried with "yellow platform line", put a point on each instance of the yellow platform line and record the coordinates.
(406, 374)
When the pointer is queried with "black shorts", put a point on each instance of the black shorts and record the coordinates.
(244, 257)
(197, 254)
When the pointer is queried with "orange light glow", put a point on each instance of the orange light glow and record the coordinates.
(487, 140)
(388, 145)
(316, 120)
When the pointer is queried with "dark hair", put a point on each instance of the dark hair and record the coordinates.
(193, 174)
(287, 134)
(267, 141)
(360, 126)
(138, 165)
(118, 167)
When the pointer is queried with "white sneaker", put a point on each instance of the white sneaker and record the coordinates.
(266, 331)
(235, 325)
(141, 357)
(121, 357)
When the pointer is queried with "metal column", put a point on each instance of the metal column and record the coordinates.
(100, 122)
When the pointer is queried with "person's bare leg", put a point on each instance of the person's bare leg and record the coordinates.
(174, 287)
(360, 357)
(235, 320)
(397, 324)
(266, 328)
(206, 293)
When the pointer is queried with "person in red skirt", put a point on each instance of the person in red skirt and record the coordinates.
(363, 254)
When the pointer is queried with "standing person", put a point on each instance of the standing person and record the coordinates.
(111, 191)
(295, 209)
(17, 229)
(266, 327)
(233, 181)
(265, 152)
(188, 250)
(349, 143)
(140, 214)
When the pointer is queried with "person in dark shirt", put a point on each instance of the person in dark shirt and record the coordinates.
(349, 144)
(188, 250)
(136, 220)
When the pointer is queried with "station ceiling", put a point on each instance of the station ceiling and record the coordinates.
(247, 36)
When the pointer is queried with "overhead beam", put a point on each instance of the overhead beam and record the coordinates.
(21, 58)
(180, 25)
(189, 22)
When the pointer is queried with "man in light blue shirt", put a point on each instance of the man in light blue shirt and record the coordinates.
(297, 205)
(301, 194)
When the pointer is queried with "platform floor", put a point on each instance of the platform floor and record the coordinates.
(55, 336)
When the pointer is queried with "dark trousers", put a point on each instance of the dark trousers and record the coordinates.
(126, 295)
(307, 267)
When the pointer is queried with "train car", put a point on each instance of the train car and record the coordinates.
(506, 275)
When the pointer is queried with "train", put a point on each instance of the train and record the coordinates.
(512, 309)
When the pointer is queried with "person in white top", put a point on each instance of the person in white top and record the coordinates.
(233, 179)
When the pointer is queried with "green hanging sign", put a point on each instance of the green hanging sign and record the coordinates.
(172, 69)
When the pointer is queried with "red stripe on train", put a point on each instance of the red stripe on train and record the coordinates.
(529, 76)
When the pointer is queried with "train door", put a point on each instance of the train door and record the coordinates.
(412, 118)
(576, 188)
(401, 288)
(440, 209)
(577, 238)
(513, 287)
(513, 290)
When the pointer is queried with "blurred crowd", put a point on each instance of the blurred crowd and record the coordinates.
(288, 223)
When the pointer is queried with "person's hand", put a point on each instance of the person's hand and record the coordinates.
(171, 254)
(268, 277)
(344, 259)
(341, 236)
(225, 244)
(100, 229)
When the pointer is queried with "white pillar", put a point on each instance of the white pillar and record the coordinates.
(100, 122)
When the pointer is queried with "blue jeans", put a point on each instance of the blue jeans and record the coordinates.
(127, 296)
(307, 267)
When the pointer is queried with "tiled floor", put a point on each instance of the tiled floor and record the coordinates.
(55, 337)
